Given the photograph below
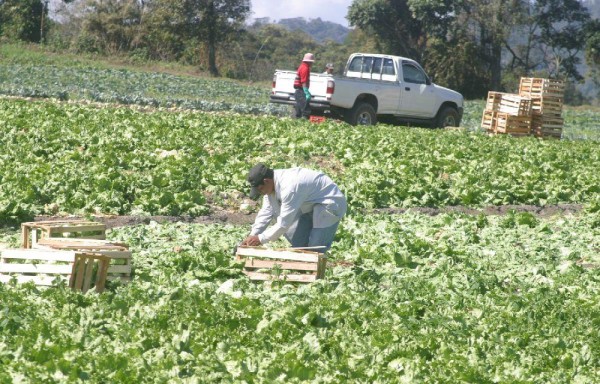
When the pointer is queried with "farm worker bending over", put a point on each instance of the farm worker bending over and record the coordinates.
(301, 85)
(307, 206)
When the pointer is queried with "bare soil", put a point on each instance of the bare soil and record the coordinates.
(240, 218)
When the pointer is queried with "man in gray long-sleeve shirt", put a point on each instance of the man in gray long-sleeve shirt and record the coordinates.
(306, 204)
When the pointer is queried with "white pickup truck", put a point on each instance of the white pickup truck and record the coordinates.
(376, 86)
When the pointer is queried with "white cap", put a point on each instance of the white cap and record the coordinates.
(309, 57)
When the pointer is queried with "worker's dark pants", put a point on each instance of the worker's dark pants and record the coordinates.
(302, 106)
(302, 233)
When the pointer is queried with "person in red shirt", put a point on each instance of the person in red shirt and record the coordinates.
(302, 85)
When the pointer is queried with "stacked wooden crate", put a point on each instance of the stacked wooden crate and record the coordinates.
(507, 113)
(72, 250)
(535, 110)
(547, 100)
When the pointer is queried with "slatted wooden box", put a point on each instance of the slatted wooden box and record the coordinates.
(287, 265)
(42, 267)
(513, 125)
(515, 105)
(538, 87)
(547, 106)
(119, 254)
(547, 126)
(493, 101)
(487, 120)
(32, 231)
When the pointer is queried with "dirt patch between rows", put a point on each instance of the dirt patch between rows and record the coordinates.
(239, 218)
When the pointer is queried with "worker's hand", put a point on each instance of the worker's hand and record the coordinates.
(251, 241)
(307, 94)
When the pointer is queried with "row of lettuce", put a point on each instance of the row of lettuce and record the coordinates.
(72, 158)
(162, 90)
(408, 298)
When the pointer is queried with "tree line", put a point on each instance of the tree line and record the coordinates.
(469, 45)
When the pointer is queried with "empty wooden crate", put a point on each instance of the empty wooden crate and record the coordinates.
(290, 265)
(32, 231)
(513, 125)
(42, 267)
(539, 87)
(118, 253)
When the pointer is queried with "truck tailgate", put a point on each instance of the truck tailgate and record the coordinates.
(283, 89)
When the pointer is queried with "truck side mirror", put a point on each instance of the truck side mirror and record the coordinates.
(429, 81)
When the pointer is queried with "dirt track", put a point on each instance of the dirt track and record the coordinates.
(238, 218)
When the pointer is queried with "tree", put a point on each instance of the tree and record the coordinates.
(112, 26)
(21, 19)
(210, 22)
(392, 22)
(555, 32)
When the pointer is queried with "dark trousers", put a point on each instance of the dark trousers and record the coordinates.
(302, 233)
(302, 107)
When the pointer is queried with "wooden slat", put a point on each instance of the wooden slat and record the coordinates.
(290, 278)
(88, 274)
(298, 266)
(37, 280)
(78, 228)
(63, 269)
(116, 255)
(282, 255)
(119, 269)
(81, 243)
(38, 254)
(102, 274)
(77, 275)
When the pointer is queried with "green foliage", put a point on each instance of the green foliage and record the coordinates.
(416, 299)
(398, 32)
(60, 157)
(21, 19)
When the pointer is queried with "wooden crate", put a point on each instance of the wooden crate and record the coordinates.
(547, 106)
(538, 87)
(515, 105)
(487, 120)
(287, 265)
(118, 253)
(513, 125)
(32, 231)
(547, 126)
(42, 267)
(493, 101)
(88, 268)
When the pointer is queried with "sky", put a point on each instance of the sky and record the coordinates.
(327, 10)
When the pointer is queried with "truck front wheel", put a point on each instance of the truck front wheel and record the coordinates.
(362, 114)
(447, 117)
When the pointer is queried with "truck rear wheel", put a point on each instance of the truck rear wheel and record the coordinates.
(362, 114)
(447, 117)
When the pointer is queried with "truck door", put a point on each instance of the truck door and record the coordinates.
(389, 97)
(418, 97)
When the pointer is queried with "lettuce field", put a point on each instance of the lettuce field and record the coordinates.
(408, 297)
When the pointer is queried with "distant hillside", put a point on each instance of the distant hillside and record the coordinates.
(318, 29)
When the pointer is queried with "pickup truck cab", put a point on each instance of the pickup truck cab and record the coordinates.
(375, 85)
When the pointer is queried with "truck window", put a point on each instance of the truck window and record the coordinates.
(388, 67)
(367, 65)
(376, 70)
(388, 73)
(412, 74)
(356, 64)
